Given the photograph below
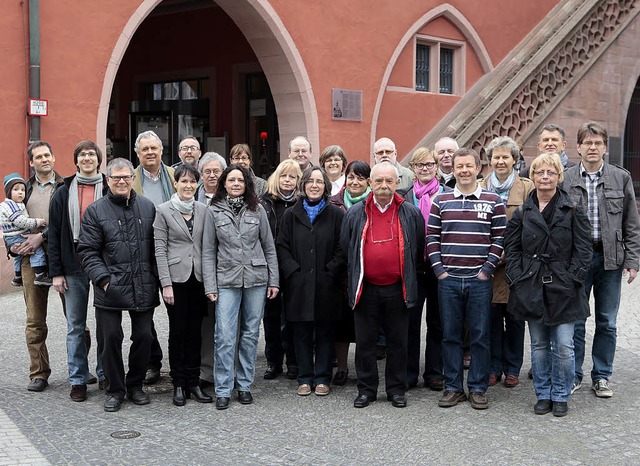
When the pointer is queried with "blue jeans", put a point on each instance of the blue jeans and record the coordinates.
(76, 301)
(470, 299)
(246, 306)
(37, 259)
(552, 360)
(606, 286)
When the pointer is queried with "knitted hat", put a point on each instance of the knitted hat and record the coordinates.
(10, 181)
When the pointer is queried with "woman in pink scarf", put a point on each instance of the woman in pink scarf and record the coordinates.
(424, 163)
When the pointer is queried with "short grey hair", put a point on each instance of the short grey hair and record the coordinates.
(384, 164)
(504, 142)
(146, 135)
(118, 163)
(211, 157)
(300, 137)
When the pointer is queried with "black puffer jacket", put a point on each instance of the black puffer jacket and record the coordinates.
(547, 265)
(116, 247)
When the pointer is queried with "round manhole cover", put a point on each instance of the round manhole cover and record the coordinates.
(125, 434)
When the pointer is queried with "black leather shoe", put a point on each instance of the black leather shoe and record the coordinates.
(92, 379)
(542, 407)
(113, 403)
(272, 372)
(398, 401)
(245, 398)
(199, 395)
(179, 398)
(152, 376)
(37, 385)
(362, 401)
(340, 378)
(560, 408)
(222, 402)
(137, 396)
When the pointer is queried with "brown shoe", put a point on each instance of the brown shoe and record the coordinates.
(511, 381)
(322, 389)
(78, 392)
(304, 389)
(450, 398)
(103, 384)
(493, 379)
(478, 400)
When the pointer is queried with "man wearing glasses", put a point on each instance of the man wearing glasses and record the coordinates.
(606, 193)
(300, 151)
(383, 238)
(189, 152)
(117, 251)
(154, 180)
(384, 150)
(68, 206)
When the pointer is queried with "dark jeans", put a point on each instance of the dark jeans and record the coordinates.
(155, 360)
(110, 337)
(381, 306)
(278, 341)
(507, 341)
(310, 372)
(465, 299)
(185, 325)
(427, 288)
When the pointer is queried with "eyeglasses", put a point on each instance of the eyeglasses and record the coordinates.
(422, 165)
(118, 179)
(243, 158)
(333, 160)
(549, 173)
(598, 144)
(189, 148)
(385, 152)
(211, 172)
(89, 153)
(318, 182)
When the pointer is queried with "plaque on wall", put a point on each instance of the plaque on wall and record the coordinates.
(346, 105)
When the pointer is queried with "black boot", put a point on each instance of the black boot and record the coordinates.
(199, 395)
(179, 398)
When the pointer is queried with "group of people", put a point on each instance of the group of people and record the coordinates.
(326, 256)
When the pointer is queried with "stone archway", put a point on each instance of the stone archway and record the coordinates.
(273, 46)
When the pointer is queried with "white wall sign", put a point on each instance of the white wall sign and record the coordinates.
(38, 107)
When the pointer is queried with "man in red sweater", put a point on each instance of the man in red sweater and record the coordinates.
(383, 238)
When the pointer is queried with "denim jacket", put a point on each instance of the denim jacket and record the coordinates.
(617, 210)
(237, 251)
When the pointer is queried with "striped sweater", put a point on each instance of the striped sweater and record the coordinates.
(465, 233)
(15, 219)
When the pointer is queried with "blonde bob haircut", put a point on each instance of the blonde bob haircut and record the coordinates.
(548, 158)
(273, 183)
(421, 153)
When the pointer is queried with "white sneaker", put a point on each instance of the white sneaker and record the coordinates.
(576, 386)
(601, 387)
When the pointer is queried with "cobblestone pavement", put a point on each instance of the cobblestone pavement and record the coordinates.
(283, 428)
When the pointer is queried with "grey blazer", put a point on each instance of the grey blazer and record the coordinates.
(178, 253)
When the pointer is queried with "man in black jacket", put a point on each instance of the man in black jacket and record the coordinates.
(67, 207)
(117, 251)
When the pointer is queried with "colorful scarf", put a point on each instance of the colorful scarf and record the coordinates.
(350, 201)
(313, 208)
(423, 193)
(501, 189)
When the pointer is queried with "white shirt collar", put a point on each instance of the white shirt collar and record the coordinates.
(476, 193)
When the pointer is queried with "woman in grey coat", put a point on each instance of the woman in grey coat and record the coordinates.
(240, 270)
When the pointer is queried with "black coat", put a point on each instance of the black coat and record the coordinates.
(116, 246)
(63, 259)
(311, 264)
(274, 209)
(546, 266)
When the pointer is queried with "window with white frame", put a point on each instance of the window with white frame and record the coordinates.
(439, 65)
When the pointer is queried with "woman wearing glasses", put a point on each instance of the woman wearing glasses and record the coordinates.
(424, 163)
(507, 333)
(240, 154)
(334, 162)
(240, 270)
(311, 266)
(548, 253)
